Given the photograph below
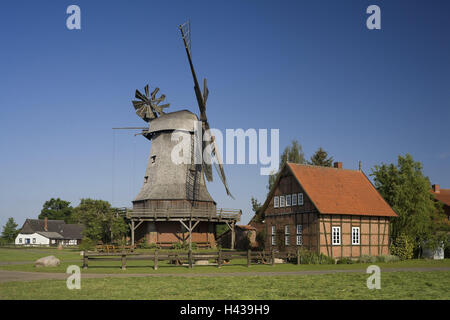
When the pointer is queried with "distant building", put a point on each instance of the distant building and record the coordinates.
(443, 196)
(245, 238)
(49, 232)
(334, 211)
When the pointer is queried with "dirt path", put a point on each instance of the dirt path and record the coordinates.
(6, 276)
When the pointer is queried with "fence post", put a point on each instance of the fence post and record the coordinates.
(273, 258)
(249, 257)
(298, 256)
(156, 260)
(124, 259)
(219, 259)
(190, 258)
(85, 260)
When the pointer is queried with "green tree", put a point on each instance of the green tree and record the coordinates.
(320, 158)
(57, 209)
(293, 153)
(407, 190)
(100, 220)
(10, 231)
(256, 205)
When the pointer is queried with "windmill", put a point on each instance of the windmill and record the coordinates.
(174, 195)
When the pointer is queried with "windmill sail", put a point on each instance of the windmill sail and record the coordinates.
(185, 30)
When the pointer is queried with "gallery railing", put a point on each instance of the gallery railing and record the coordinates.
(174, 213)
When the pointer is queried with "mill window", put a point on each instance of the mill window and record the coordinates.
(300, 199)
(288, 200)
(282, 201)
(294, 199)
(355, 235)
(299, 235)
(276, 202)
(336, 235)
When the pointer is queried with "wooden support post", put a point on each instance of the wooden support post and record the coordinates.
(132, 232)
(249, 257)
(298, 255)
(190, 234)
(233, 235)
(156, 260)
(273, 258)
(124, 261)
(219, 259)
(85, 260)
(190, 258)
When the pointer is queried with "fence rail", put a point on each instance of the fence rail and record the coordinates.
(189, 258)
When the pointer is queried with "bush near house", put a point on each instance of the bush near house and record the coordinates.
(403, 247)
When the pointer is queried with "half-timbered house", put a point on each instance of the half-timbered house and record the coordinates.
(329, 210)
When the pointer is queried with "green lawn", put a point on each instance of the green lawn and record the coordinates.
(70, 257)
(394, 285)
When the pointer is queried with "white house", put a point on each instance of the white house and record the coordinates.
(49, 232)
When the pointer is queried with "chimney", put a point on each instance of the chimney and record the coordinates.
(338, 165)
(45, 224)
(436, 188)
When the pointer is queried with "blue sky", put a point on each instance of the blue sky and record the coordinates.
(309, 68)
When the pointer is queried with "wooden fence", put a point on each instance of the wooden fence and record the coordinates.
(189, 258)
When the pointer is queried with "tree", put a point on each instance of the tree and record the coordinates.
(256, 205)
(320, 158)
(10, 231)
(407, 191)
(57, 209)
(100, 220)
(293, 153)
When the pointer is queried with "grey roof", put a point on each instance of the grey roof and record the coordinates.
(50, 235)
(179, 120)
(59, 227)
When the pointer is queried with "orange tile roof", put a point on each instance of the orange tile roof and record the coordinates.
(341, 191)
(443, 196)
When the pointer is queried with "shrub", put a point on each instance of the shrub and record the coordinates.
(403, 247)
(345, 261)
(387, 258)
(87, 244)
(145, 245)
(367, 259)
(261, 239)
(308, 257)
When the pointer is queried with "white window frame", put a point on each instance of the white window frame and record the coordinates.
(286, 235)
(356, 236)
(288, 200)
(300, 199)
(282, 202)
(273, 234)
(276, 202)
(336, 236)
(34, 240)
(294, 199)
(299, 237)
(20, 240)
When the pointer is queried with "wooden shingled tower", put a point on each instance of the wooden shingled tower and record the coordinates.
(174, 205)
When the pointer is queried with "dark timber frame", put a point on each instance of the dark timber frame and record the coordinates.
(189, 219)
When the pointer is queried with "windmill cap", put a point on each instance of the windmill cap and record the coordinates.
(179, 120)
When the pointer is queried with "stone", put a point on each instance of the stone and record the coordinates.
(49, 261)
(277, 260)
(202, 262)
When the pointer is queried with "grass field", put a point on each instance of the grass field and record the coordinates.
(394, 285)
(71, 257)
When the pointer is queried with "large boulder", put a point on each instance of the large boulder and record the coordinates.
(50, 261)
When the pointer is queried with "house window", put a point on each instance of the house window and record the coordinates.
(294, 199)
(276, 202)
(299, 235)
(20, 240)
(300, 199)
(282, 202)
(273, 236)
(288, 200)
(336, 235)
(355, 235)
(34, 240)
(286, 235)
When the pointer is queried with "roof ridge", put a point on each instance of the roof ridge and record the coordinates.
(324, 167)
